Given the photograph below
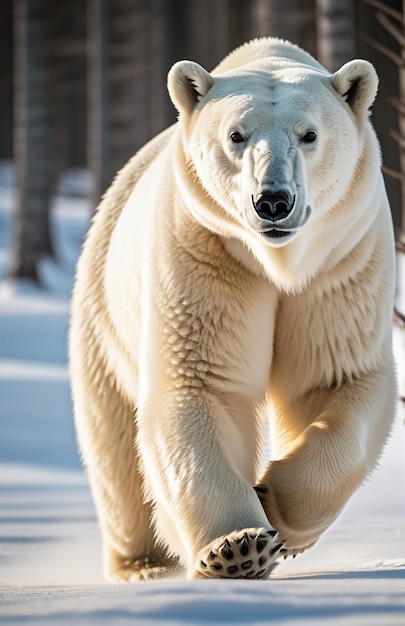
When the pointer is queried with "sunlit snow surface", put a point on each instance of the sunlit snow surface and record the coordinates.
(50, 552)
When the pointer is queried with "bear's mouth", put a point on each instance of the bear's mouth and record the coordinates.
(276, 234)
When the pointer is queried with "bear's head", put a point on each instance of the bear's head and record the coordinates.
(274, 145)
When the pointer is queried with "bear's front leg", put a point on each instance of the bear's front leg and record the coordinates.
(305, 490)
(206, 511)
(203, 370)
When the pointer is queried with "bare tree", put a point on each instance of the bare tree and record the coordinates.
(6, 79)
(293, 20)
(32, 238)
(97, 127)
(394, 23)
(67, 101)
(335, 32)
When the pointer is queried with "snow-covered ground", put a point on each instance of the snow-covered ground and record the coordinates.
(50, 560)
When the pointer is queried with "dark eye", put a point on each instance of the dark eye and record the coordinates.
(237, 137)
(309, 137)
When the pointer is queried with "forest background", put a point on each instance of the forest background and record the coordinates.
(83, 86)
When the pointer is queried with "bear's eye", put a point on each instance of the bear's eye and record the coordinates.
(237, 137)
(309, 137)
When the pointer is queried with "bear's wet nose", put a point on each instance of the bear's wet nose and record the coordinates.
(274, 207)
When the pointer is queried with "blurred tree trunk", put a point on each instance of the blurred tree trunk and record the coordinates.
(67, 73)
(6, 79)
(131, 70)
(97, 124)
(286, 19)
(32, 238)
(401, 122)
(335, 32)
(121, 68)
(239, 22)
(294, 20)
(395, 25)
(394, 22)
(385, 37)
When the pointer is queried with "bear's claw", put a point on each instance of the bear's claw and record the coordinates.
(249, 553)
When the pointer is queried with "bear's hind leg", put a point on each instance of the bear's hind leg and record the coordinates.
(105, 425)
(153, 563)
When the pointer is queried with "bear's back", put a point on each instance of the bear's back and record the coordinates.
(264, 48)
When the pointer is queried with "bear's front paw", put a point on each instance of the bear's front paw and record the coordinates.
(249, 553)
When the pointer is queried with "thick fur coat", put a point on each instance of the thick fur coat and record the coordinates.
(243, 257)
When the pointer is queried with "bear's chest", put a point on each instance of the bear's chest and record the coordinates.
(324, 337)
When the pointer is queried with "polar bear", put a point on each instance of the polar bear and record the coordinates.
(243, 258)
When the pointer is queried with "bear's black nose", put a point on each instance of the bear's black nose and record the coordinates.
(274, 207)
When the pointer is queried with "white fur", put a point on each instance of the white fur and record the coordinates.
(187, 318)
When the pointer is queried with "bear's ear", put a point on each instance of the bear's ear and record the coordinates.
(357, 83)
(187, 83)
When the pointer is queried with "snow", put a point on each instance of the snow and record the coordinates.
(50, 547)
